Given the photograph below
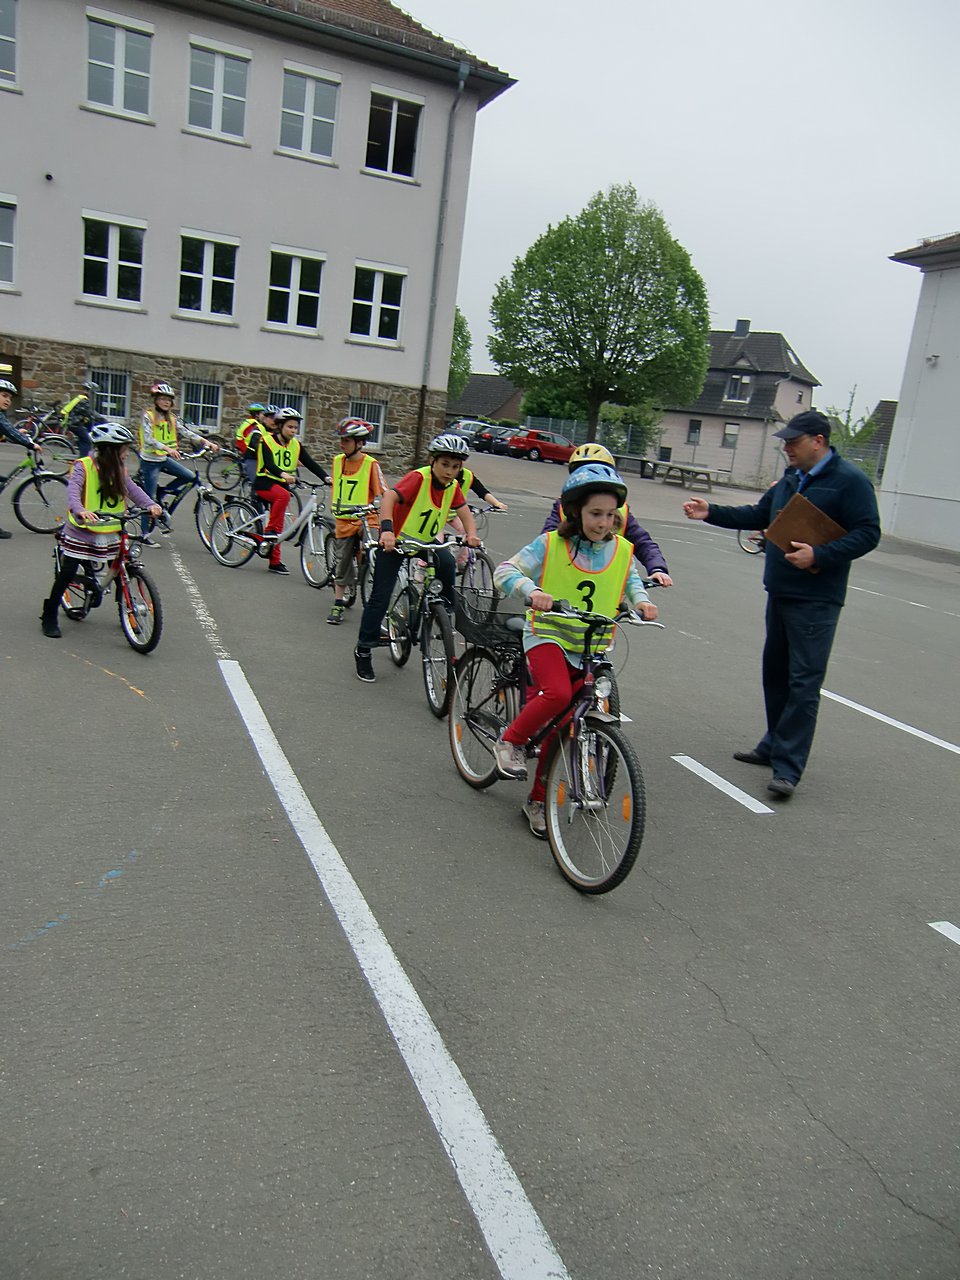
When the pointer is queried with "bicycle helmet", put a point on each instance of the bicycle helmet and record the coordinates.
(590, 452)
(7, 386)
(453, 446)
(163, 389)
(593, 477)
(272, 410)
(354, 429)
(91, 387)
(256, 408)
(110, 433)
(288, 415)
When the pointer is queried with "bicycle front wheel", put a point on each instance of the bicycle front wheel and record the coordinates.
(482, 703)
(205, 511)
(313, 553)
(40, 502)
(595, 806)
(233, 534)
(138, 603)
(59, 453)
(477, 571)
(400, 621)
(224, 470)
(437, 652)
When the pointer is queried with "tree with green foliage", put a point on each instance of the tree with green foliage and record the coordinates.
(605, 306)
(459, 356)
(845, 429)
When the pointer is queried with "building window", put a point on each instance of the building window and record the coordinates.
(693, 431)
(118, 66)
(218, 91)
(738, 387)
(392, 134)
(731, 431)
(8, 41)
(201, 404)
(287, 399)
(293, 298)
(8, 218)
(112, 259)
(113, 398)
(308, 115)
(377, 296)
(374, 412)
(207, 275)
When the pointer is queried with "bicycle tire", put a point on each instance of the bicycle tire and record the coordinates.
(139, 607)
(313, 549)
(750, 542)
(477, 571)
(438, 654)
(365, 576)
(225, 548)
(224, 470)
(594, 840)
(40, 502)
(75, 601)
(205, 511)
(59, 453)
(400, 620)
(482, 703)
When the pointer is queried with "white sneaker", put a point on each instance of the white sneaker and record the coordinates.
(510, 759)
(535, 814)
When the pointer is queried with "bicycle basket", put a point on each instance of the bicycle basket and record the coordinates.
(482, 616)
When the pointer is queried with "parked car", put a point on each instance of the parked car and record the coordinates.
(545, 446)
(467, 428)
(493, 439)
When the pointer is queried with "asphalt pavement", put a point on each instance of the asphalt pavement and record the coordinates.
(283, 997)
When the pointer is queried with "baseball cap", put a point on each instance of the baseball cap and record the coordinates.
(809, 423)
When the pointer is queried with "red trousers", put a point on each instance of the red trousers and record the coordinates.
(277, 497)
(554, 682)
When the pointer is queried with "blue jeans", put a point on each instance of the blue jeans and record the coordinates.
(385, 574)
(150, 474)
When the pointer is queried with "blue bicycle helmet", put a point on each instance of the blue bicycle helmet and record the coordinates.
(595, 477)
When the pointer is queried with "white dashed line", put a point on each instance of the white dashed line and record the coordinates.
(722, 784)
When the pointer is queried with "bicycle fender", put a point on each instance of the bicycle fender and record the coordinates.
(601, 717)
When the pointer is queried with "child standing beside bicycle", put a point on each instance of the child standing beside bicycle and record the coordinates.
(278, 455)
(357, 482)
(586, 562)
(422, 502)
(97, 491)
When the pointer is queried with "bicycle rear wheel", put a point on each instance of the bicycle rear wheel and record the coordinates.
(138, 603)
(595, 806)
(482, 703)
(224, 470)
(751, 541)
(59, 453)
(437, 652)
(477, 571)
(205, 511)
(313, 553)
(233, 534)
(400, 619)
(40, 502)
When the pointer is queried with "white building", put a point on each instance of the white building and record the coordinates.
(920, 496)
(252, 199)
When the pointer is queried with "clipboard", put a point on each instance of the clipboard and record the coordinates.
(801, 521)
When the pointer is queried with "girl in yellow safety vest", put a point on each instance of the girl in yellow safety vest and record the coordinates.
(357, 482)
(98, 489)
(584, 561)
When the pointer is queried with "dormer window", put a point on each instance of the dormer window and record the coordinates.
(738, 387)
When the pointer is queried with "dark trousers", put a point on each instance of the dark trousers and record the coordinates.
(385, 572)
(795, 656)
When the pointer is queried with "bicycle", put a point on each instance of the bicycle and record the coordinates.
(138, 600)
(39, 500)
(595, 799)
(319, 546)
(205, 508)
(44, 427)
(752, 541)
(238, 531)
(225, 469)
(474, 567)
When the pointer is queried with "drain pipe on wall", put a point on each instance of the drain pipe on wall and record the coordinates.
(463, 72)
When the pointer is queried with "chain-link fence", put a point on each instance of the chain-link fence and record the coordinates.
(618, 437)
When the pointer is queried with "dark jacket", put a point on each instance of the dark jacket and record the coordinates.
(845, 494)
(11, 433)
(644, 547)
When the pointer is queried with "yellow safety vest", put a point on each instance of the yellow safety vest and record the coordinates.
(592, 591)
(466, 481)
(244, 432)
(91, 499)
(69, 407)
(351, 491)
(425, 519)
(164, 429)
(285, 456)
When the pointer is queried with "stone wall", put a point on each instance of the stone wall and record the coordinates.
(55, 370)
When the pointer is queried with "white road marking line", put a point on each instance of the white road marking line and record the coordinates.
(947, 929)
(515, 1236)
(883, 596)
(896, 724)
(722, 784)
(203, 614)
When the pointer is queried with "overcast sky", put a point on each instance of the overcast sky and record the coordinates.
(791, 147)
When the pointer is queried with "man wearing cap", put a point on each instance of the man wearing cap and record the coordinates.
(806, 588)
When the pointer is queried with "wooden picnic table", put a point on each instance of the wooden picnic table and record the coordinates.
(684, 473)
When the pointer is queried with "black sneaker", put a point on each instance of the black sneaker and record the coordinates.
(364, 663)
(5, 533)
(279, 568)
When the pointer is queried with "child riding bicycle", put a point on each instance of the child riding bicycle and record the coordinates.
(357, 482)
(9, 432)
(588, 563)
(278, 455)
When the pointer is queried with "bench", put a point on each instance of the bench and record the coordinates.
(684, 473)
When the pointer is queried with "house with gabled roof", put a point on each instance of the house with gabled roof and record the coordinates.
(486, 395)
(755, 382)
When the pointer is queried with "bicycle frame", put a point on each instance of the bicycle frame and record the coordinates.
(257, 537)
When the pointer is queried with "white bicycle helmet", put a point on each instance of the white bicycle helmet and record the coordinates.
(288, 415)
(163, 389)
(111, 433)
(7, 386)
(354, 429)
(453, 446)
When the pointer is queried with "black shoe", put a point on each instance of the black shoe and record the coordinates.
(781, 787)
(5, 533)
(751, 757)
(278, 568)
(364, 663)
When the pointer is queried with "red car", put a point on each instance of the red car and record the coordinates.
(540, 446)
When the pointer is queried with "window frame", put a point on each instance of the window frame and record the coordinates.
(287, 398)
(220, 51)
(731, 435)
(396, 96)
(202, 403)
(360, 409)
(297, 256)
(380, 270)
(113, 222)
(210, 240)
(11, 202)
(8, 80)
(744, 382)
(312, 75)
(106, 398)
(119, 23)
(694, 430)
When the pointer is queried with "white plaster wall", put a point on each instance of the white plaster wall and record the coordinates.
(173, 179)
